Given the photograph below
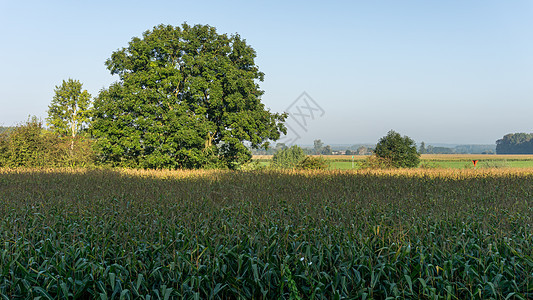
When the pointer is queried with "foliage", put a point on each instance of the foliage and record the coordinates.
(327, 150)
(428, 165)
(30, 145)
(320, 149)
(402, 234)
(399, 151)
(313, 163)
(422, 149)
(374, 162)
(318, 146)
(69, 111)
(478, 149)
(288, 157)
(83, 154)
(187, 98)
(362, 150)
(515, 143)
(439, 150)
(252, 165)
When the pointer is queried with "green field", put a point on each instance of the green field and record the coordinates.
(459, 161)
(343, 165)
(110, 234)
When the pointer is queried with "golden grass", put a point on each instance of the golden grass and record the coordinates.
(213, 174)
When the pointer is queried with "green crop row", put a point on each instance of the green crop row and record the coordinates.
(266, 234)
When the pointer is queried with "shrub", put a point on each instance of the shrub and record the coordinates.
(30, 145)
(251, 166)
(27, 146)
(400, 151)
(313, 163)
(288, 157)
(428, 165)
(375, 162)
(77, 152)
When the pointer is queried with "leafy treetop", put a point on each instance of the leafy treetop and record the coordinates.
(69, 110)
(187, 97)
(399, 151)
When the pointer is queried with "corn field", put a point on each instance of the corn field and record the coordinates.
(123, 234)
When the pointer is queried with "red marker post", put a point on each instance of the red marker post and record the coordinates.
(475, 162)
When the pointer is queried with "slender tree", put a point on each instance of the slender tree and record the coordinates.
(327, 150)
(422, 149)
(318, 146)
(69, 111)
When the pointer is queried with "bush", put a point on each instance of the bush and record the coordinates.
(288, 157)
(375, 162)
(30, 145)
(313, 163)
(252, 166)
(399, 151)
(428, 165)
(77, 152)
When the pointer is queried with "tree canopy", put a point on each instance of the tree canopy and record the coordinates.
(515, 143)
(186, 98)
(69, 110)
(399, 151)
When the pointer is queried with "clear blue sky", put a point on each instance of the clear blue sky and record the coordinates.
(437, 71)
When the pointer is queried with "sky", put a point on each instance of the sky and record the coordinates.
(457, 72)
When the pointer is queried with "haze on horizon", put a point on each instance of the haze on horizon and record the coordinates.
(440, 72)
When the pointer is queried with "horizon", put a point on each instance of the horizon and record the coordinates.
(437, 144)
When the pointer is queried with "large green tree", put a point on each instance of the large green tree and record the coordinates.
(399, 151)
(515, 143)
(69, 111)
(187, 97)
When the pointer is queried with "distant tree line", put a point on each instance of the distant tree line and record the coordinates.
(515, 143)
(320, 149)
(460, 149)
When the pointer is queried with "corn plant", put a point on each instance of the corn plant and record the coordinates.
(268, 234)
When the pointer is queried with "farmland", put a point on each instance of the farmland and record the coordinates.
(454, 161)
(266, 234)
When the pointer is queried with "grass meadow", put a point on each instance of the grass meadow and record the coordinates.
(453, 161)
(125, 234)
